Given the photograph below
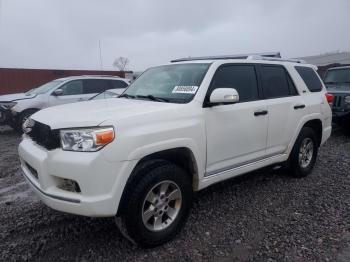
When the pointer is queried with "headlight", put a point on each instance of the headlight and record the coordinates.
(347, 99)
(86, 140)
(8, 105)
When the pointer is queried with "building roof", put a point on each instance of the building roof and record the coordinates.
(327, 59)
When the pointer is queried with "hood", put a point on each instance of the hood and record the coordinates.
(15, 97)
(338, 88)
(94, 112)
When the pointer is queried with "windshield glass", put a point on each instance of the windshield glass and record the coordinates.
(44, 88)
(104, 95)
(177, 83)
(338, 76)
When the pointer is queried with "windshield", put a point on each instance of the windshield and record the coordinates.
(104, 95)
(338, 76)
(177, 83)
(44, 88)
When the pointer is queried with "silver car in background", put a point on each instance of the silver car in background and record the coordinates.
(16, 108)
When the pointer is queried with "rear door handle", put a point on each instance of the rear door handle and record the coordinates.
(260, 113)
(296, 107)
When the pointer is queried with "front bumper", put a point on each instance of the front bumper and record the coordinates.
(338, 114)
(100, 181)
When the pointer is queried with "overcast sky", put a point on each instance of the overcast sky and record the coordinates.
(65, 34)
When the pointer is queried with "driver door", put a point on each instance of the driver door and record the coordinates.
(72, 92)
(236, 133)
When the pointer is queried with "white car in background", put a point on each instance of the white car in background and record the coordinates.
(16, 108)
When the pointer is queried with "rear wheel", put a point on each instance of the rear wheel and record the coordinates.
(303, 156)
(159, 203)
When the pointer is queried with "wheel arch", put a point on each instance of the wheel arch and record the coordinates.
(316, 125)
(181, 156)
(32, 109)
(311, 121)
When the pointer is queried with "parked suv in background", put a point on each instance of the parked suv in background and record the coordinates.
(337, 81)
(178, 128)
(16, 108)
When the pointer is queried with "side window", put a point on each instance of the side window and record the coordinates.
(115, 84)
(310, 78)
(72, 88)
(240, 77)
(94, 86)
(274, 81)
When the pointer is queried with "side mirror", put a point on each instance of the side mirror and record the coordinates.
(224, 96)
(57, 92)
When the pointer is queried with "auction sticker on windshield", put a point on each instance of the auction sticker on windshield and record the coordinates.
(185, 89)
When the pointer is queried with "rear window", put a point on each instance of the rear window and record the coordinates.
(274, 82)
(310, 78)
(116, 84)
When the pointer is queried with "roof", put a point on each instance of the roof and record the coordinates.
(327, 59)
(92, 77)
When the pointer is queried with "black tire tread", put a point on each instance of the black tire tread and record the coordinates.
(293, 161)
(145, 175)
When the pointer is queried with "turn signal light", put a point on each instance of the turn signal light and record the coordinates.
(104, 137)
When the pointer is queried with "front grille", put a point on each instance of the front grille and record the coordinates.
(337, 101)
(44, 136)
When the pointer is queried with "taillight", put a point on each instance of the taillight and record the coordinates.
(329, 98)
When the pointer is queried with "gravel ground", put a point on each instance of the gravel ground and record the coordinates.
(263, 216)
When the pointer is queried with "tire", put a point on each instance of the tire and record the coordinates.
(22, 118)
(301, 165)
(154, 227)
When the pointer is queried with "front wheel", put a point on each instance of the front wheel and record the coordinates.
(303, 156)
(159, 203)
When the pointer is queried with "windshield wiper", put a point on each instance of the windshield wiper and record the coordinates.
(153, 98)
(126, 96)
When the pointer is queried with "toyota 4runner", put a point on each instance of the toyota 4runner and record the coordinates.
(177, 129)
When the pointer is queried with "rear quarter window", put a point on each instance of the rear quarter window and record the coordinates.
(310, 77)
(116, 84)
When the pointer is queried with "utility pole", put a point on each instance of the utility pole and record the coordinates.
(99, 45)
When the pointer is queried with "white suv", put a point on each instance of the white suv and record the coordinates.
(16, 108)
(177, 129)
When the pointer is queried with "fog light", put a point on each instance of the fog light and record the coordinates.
(69, 185)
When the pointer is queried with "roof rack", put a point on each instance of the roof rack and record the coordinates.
(242, 56)
(101, 76)
(269, 56)
(293, 60)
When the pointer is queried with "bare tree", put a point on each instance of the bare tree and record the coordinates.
(121, 63)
